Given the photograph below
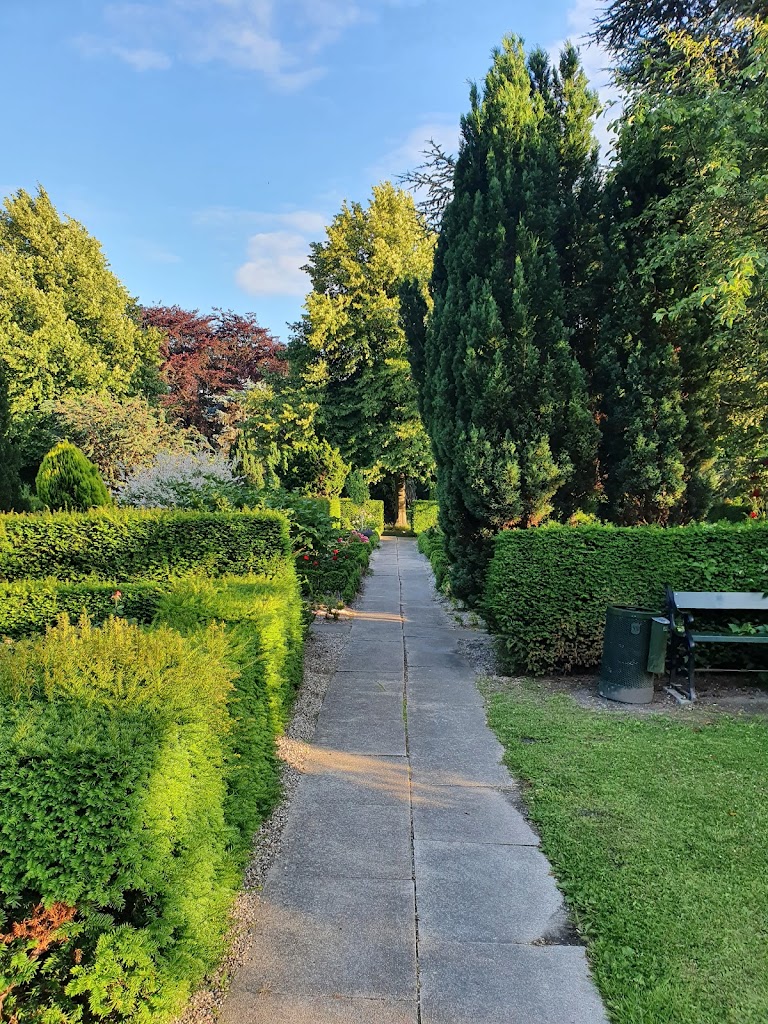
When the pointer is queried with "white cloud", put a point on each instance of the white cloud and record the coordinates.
(279, 39)
(276, 253)
(275, 259)
(143, 59)
(308, 222)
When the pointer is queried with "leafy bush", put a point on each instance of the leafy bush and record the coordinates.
(68, 480)
(118, 434)
(123, 544)
(356, 488)
(335, 574)
(432, 544)
(368, 515)
(547, 589)
(112, 794)
(192, 480)
(312, 468)
(423, 516)
(311, 521)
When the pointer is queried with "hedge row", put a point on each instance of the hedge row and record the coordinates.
(135, 765)
(368, 516)
(123, 544)
(547, 589)
(335, 576)
(432, 544)
(31, 606)
(423, 516)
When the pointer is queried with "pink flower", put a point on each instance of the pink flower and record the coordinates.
(116, 596)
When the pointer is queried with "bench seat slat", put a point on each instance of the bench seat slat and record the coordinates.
(691, 600)
(727, 638)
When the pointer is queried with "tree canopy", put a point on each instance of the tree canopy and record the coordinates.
(208, 357)
(66, 323)
(350, 349)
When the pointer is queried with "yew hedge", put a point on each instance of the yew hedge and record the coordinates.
(123, 544)
(547, 589)
(367, 516)
(135, 765)
(423, 516)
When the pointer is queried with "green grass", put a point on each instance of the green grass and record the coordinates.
(657, 829)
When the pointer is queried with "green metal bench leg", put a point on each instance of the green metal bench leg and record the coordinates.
(691, 675)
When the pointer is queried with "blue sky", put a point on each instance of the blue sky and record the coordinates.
(207, 142)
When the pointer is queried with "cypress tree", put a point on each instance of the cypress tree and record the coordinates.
(68, 480)
(504, 397)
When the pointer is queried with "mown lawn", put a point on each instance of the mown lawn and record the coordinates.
(657, 829)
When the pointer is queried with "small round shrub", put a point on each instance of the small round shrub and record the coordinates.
(68, 480)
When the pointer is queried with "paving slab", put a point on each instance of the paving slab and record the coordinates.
(338, 777)
(352, 840)
(345, 680)
(362, 733)
(489, 983)
(473, 892)
(451, 745)
(372, 656)
(332, 937)
(268, 1008)
(469, 815)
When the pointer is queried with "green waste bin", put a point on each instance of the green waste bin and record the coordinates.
(624, 674)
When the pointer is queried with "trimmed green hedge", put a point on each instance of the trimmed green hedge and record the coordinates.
(112, 793)
(423, 516)
(335, 575)
(547, 589)
(432, 544)
(368, 516)
(330, 505)
(123, 544)
(31, 606)
(135, 765)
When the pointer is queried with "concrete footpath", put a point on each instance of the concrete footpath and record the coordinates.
(410, 890)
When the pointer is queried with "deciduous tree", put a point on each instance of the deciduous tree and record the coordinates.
(208, 357)
(66, 323)
(350, 348)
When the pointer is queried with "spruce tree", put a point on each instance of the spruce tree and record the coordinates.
(68, 480)
(504, 397)
(350, 349)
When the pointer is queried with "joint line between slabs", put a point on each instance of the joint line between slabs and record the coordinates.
(410, 793)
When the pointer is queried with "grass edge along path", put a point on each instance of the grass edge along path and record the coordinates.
(657, 831)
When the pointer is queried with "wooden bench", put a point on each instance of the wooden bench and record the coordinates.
(681, 605)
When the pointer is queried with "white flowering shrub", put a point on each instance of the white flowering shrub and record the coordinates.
(196, 480)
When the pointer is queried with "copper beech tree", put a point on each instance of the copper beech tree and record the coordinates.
(205, 358)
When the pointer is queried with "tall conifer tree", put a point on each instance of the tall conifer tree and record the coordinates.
(504, 396)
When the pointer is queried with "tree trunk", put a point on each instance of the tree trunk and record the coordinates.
(402, 515)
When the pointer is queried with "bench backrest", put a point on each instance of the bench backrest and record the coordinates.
(692, 600)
